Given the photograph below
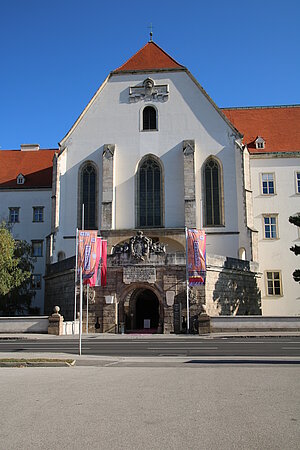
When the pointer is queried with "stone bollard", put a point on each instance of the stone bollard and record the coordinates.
(204, 324)
(56, 322)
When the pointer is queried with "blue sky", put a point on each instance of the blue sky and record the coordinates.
(56, 53)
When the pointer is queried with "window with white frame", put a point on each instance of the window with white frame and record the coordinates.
(37, 248)
(36, 281)
(14, 215)
(268, 183)
(273, 280)
(38, 214)
(270, 227)
(298, 182)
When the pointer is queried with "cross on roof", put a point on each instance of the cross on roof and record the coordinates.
(151, 31)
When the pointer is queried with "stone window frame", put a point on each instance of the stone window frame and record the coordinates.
(268, 181)
(270, 216)
(142, 118)
(14, 214)
(221, 192)
(162, 191)
(36, 245)
(270, 283)
(37, 209)
(80, 193)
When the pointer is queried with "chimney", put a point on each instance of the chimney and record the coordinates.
(30, 147)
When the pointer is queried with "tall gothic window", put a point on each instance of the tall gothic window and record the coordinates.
(213, 193)
(149, 195)
(149, 118)
(88, 197)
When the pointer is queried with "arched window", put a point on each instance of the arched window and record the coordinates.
(149, 118)
(61, 255)
(242, 253)
(88, 197)
(149, 194)
(213, 193)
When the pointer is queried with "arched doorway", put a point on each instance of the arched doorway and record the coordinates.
(147, 310)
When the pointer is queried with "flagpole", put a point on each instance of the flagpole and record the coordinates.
(76, 264)
(87, 308)
(187, 283)
(80, 317)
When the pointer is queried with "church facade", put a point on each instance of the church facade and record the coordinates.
(152, 155)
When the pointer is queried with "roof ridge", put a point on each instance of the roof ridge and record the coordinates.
(262, 107)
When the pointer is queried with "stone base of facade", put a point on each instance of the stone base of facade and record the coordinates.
(150, 296)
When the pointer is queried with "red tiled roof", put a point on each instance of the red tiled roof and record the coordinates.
(279, 126)
(36, 166)
(150, 57)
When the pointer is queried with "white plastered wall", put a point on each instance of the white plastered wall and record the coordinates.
(187, 114)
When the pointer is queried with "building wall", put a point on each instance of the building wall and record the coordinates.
(188, 114)
(275, 254)
(28, 230)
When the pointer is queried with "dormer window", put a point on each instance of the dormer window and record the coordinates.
(259, 143)
(20, 179)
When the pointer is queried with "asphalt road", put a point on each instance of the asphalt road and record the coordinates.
(192, 346)
(193, 407)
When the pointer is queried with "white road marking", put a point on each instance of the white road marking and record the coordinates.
(290, 348)
(180, 348)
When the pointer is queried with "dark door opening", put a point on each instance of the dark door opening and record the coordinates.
(147, 309)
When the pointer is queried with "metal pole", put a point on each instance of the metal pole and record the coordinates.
(82, 221)
(187, 283)
(80, 317)
(201, 213)
(87, 308)
(117, 304)
(75, 280)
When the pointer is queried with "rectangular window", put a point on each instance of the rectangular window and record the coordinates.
(36, 281)
(14, 215)
(37, 248)
(38, 214)
(270, 227)
(298, 182)
(274, 283)
(268, 183)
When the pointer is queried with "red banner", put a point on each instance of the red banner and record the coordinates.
(104, 263)
(196, 256)
(93, 280)
(87, 253)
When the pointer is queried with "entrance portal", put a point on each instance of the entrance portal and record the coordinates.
(147, 310)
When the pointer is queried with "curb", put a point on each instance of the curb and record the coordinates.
(21, 363)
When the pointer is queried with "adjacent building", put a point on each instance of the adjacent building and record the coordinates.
(25, 203)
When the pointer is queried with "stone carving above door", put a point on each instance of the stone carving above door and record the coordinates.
(139, 247)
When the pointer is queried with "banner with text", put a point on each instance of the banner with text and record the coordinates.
(196, 256)
(93, 281)
(87, 253)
